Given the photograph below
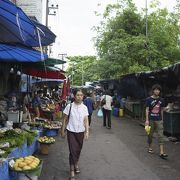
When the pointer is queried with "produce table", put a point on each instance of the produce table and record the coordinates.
(134, 107)
(4, 170)
(25, 150)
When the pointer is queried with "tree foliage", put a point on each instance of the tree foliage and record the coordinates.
(82, 68)
(123, 46)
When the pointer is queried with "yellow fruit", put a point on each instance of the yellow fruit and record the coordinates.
(21, 159)
(26, 168)
(18, 161)
(36, 161)
(18, 169)
(33, 166)
(32, 157)
(15, 166)
(28, 161)
(21, 164)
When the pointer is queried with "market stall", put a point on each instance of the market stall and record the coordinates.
(15, 143)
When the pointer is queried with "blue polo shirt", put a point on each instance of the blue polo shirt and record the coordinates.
(89, 103)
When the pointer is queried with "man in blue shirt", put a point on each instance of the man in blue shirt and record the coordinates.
(88, 101)
(154, 118)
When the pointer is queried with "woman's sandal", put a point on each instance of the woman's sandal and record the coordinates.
(72, 177)
(150, 151)
(163, 156)
(77, 171)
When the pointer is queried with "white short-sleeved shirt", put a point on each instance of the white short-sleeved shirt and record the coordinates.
(77, 116)
(108, 102)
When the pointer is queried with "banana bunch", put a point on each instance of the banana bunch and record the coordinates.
(46, 139)
(26, 163)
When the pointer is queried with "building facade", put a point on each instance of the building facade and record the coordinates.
(32, 8)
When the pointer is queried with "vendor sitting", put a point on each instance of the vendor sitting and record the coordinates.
(36, 103)
(12, 103)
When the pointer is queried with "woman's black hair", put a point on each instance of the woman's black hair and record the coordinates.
(156, 86)
(76, 91)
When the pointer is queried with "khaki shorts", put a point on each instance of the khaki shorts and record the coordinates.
(156, 126)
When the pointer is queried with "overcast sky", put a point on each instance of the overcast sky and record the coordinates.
(74, 21)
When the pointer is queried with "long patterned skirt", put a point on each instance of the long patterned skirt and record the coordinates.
(75, 142)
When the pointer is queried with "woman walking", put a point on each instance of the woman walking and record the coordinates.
(76, 118)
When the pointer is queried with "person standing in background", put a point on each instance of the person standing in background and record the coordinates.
(36, 103)
(98, 100)
(106, 101)
(88, 101)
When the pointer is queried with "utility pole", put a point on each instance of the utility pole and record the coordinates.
(82, 75)
(73, 75)
(146, 44)
(63, 55)
(49, 12)
(146, 22)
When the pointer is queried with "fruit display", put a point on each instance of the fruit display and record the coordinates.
(51, 106)
(2, 152)
(54, 125)
(46, 140)
(36, 124)
(26, 163)
(46, 109)
(18, 131)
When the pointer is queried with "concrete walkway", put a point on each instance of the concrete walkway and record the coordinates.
(116, 154)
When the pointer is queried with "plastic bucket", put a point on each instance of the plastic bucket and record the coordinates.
(116, 112)
(51, 132)
(44, 148)
(121, 112)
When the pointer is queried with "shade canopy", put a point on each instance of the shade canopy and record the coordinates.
(49, 74)
(54, 61)
(42, 64)
(12, 53)
(17, 27)
(47, 36)
(64, 91)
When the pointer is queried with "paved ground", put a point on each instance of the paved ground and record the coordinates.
(116, 154)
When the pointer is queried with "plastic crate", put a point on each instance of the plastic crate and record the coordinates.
(15, 116)
(116, 112)
(51, 132)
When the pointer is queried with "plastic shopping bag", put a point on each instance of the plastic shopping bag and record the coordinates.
(147, 129)
(100, 113)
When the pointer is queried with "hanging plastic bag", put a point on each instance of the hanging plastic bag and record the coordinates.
(147, 129)
(100, 113)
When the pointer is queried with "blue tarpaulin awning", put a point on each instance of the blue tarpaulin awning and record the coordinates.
(17, 27)
(10, 53)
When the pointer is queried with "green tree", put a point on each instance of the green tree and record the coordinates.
(82, 68)
(123, 46)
